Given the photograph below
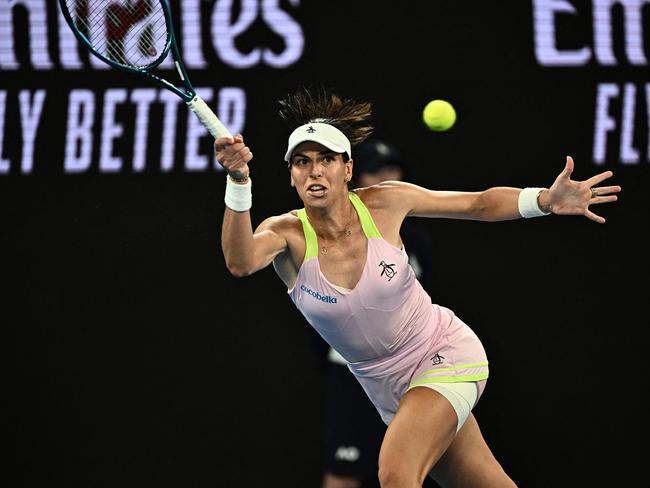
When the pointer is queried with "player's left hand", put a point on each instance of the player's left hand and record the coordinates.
(569, 197)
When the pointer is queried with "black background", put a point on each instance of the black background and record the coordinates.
(137, 360)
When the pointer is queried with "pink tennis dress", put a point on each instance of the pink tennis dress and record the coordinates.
(387, 329)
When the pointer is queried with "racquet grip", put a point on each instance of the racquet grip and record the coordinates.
(208, 118)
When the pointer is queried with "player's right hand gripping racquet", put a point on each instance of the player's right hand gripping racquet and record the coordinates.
(136, 36)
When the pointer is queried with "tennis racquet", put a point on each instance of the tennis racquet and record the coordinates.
(136, 36)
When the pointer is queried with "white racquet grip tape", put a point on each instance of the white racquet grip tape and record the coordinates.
(208, 118)
(238, 197)
(528, 206)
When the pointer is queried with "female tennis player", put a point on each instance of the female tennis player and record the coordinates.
(346, 270)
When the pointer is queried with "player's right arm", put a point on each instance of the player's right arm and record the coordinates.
(246, 251)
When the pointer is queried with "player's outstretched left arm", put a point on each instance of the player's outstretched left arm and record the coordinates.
(564, 197)
(570, 197)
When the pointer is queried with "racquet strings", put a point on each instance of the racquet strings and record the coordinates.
(131, 33)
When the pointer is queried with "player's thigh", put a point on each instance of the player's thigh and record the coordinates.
(469, 463)
(422, 429)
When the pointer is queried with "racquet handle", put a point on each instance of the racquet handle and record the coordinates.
(208, 118)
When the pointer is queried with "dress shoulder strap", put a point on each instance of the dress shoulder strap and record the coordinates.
(368, 225)
(311, 241)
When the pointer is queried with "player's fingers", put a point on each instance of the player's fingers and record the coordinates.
(596, 218)
(229, 153)
(222, 142)
(236, 147)
(594, 180)
(606, 190)
(568, 167)
(242, 151)
(244, 156)
(231, 159)
(603, 199)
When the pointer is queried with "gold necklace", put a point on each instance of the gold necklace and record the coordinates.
(347, 232)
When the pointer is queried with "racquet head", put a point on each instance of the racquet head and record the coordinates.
(136, 36)
(129, 34)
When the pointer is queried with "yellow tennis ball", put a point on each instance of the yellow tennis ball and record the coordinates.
(439, 115)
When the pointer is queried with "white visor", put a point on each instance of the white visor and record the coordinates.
(325, 134)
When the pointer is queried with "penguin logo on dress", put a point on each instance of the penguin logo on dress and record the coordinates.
(387, 270)
(437, 359)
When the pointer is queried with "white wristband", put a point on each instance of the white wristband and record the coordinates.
(238, 197)
(528, 206)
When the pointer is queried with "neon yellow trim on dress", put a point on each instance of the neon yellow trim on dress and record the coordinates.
(460, 366)
(311, 241)
(367, 224)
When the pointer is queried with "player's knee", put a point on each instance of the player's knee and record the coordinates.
(393, 473)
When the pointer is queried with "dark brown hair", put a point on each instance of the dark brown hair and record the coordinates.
(347, 115)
